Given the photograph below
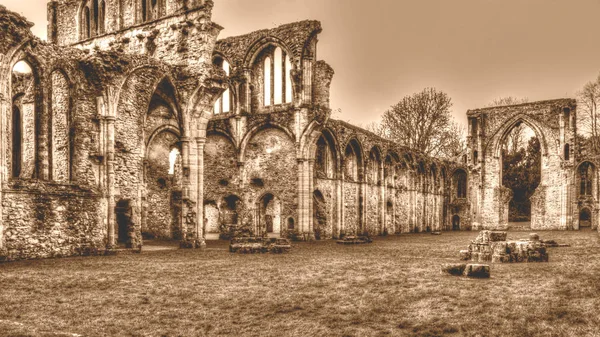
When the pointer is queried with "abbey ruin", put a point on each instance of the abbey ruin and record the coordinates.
(136, 122)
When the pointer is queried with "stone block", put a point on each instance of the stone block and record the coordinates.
(454, 269)
(465, 255)
(497, 236)
(477, 271)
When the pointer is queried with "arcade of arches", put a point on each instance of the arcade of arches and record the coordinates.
(137, 123)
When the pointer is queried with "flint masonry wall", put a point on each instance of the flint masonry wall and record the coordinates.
(553, 123)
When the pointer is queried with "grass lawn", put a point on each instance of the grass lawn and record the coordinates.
(391, 287)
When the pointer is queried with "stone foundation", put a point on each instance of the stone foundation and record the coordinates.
(492, 247)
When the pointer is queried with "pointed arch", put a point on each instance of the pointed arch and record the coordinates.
(255, 130)
(499, 137)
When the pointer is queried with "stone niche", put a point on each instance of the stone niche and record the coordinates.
(492, 246)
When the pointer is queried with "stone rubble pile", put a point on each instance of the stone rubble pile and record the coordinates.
(469, 270)
(354, 240)
(491, 246)
(251, 245)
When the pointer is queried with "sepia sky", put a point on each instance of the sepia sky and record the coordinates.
(382, 50)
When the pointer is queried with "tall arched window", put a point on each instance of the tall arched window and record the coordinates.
(288, 79)
(17, 139)
(87, 27)
(460, 184)
(567, 152)
(586, 178)
(24, 127)
(101, 18)
(224, 104)
(151, 9)
(93, 16)
(277, 80)
(267, 81)
(278, 76)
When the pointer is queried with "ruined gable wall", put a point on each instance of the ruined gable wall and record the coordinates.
(547, 119)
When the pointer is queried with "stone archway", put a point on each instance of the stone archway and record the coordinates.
(269, 215)
(553, 124)
(456, 223)
(585, 218)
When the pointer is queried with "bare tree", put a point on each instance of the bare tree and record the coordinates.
(517, 138)
(588, 100)
(508, 100)
(422, 122)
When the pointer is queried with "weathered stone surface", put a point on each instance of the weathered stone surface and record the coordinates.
(558, 200)
(477, 271)
(482, 249)
(113, 138)
(465, 255)
(251, 245)
(454, 269)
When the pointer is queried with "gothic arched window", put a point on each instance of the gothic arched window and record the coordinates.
(586, 178)
(277, 81)
(225, 103)
(93, 16)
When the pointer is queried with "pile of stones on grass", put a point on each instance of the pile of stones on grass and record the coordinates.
(253, 245)
(354, 240)
(490, 246)
(474, 270)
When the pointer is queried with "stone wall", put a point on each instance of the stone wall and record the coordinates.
(554, 126)
(61, 138)
(49, 220)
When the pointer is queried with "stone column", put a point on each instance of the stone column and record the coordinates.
(199, 231)
(382, 201)
(311, 188)
(4, 171)
(339, 207)
(109, 120)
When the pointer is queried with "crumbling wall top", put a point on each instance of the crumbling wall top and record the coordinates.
(295, 37)
(551, 105)
(14, 29)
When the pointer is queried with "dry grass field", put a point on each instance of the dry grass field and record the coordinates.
(391, 287)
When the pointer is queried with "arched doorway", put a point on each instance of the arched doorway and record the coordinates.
(319, 215)
(124, 213)
(163, 187)
(269, 215)
(455, 223)
(585, 218)
(521, 173)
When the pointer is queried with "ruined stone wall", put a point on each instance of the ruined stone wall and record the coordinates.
(221, 172)
(352, 199)
(61, 152)
(271, 167)
(160, 186)
(373, 209)
(552, 123)
(50, 220)
(327, 187)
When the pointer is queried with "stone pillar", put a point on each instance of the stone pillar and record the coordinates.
(4, 106)
(199, 231)
(108, 117)
(338, 208)
(341, 204)
(382, 201)
(310, 186)
(363, 206)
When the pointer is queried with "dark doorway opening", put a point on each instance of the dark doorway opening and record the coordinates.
(585, 218)
(456, 223)
(124, 214)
